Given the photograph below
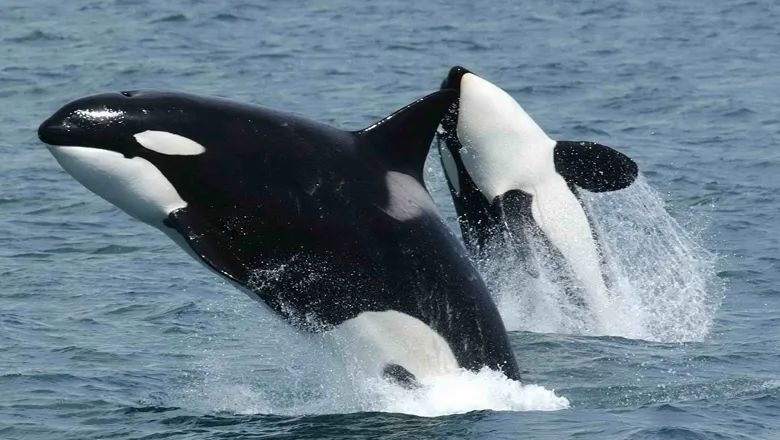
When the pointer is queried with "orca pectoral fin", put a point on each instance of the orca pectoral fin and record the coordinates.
(594, 167)
(512, 214)
(400, 375)
(205, 241)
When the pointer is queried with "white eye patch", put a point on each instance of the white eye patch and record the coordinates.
(169, 143)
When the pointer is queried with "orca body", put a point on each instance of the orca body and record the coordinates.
(510, 182)
(332, 229)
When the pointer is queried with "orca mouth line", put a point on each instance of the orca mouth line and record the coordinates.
(61, 135)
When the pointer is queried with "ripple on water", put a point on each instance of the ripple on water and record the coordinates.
(171, 18)
(675, 433)
(36, 36)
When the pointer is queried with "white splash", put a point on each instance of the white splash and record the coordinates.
(292, 373)
(658, 266)
(462, 392)
(337, 393)
(663, 283)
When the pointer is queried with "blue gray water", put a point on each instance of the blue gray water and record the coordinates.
(107, 330)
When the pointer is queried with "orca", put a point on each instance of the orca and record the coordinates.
(511, 183)
(333, 230)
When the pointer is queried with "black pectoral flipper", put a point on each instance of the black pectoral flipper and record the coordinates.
(290, 272)
(512, 212)
(203, 238)
(594, 167)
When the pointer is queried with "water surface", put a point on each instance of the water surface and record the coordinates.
(108, 330)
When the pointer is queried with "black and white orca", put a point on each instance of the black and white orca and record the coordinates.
(332, 229)
(510, 181)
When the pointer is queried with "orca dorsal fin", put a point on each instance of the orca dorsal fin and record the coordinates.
(404, 137)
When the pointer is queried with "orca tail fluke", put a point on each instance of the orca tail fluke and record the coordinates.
(594, 167)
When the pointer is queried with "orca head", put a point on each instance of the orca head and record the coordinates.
(497, 144)
(110, 121)
(151, 152)
(123, 145)
(500, 146)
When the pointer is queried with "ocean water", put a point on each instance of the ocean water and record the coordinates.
(108, 330)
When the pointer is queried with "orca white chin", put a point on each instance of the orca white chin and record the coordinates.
(503, 148)
(133, 184)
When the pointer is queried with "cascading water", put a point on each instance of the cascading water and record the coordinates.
(662, 283)
(657, 265)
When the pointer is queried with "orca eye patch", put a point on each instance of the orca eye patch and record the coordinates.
(169, 143)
